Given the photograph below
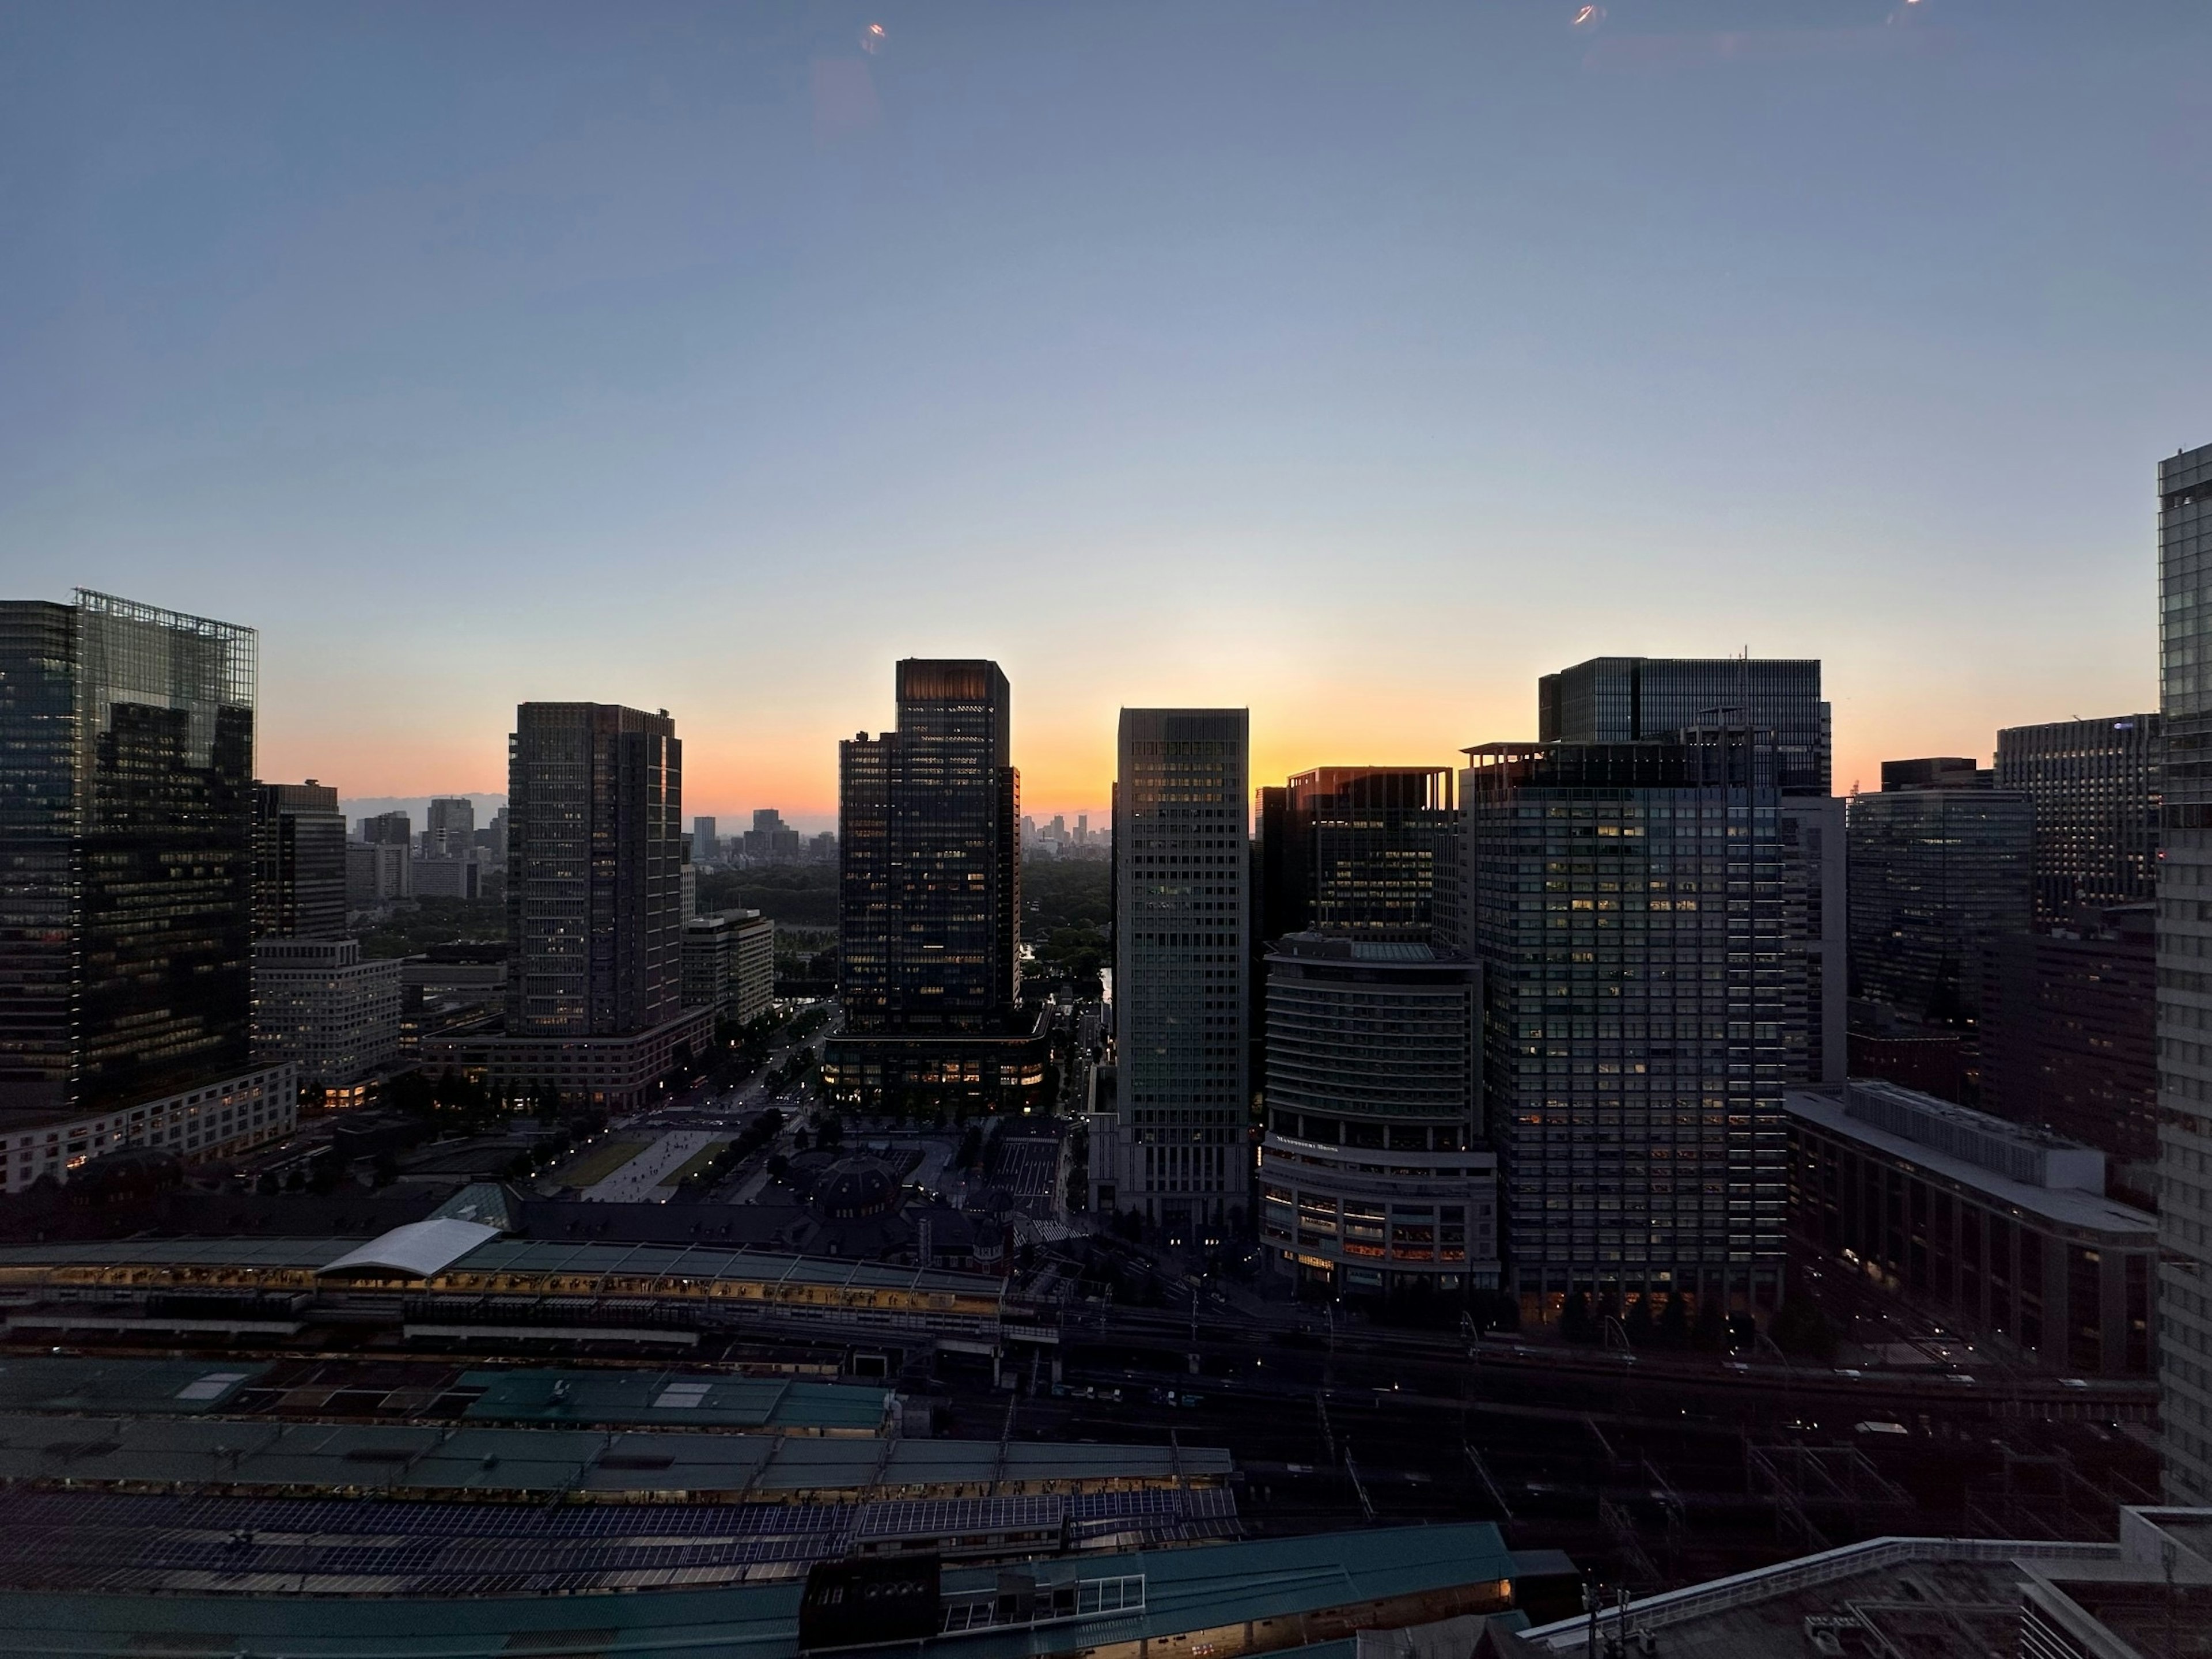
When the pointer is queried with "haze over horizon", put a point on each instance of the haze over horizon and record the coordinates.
(1354, 367)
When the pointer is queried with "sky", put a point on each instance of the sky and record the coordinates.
(1357, 364)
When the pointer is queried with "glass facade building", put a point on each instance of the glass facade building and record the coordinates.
(299, 862)
(1638, 918)
(1941, 868)
(929, 900)
(1637, 699)
(126, 888)
(2185, 973)
(2096, 785)
(1354, 851)
(595, 852)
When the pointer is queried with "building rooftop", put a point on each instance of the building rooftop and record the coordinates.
(56, 1382)
(2065, 1206)
(427, 1459)
(675, 1400)
(1894, 1598)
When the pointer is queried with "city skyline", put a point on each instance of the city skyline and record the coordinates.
(1456, 329)
(1277, 754)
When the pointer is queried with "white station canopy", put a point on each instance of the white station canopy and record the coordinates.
(417, 1250)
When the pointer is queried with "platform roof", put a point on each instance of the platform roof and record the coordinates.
(428, 1460)
(678, 1399)
(59, 1382)
(417, 1249)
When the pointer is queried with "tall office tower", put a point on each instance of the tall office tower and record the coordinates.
(1375, 1178)
(2185, 975)
(493, 841)
(705, 849)
(930, 900)
(595, 985)
(451, 831)
(1183, 918)
(299, 862)
(1354, 851)
(388, 829)
(1628, 699)
(126, 895)
(1631, 699)
(1639, 921)
(2096, 786)
(595, 794)
(1941, 867)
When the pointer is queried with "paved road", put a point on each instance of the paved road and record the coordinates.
(638, 1181)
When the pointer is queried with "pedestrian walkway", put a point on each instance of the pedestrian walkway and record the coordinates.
(638, 1181)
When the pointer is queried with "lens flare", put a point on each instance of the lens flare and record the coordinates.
(871, 38)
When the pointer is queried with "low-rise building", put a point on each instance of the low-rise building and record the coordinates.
(2001, 1231)
(616, 1074)
(211, 1119)
(319, 1004)
(454, 875)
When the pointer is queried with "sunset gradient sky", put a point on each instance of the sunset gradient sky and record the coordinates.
(1354, 363)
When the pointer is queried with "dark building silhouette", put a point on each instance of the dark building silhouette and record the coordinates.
(388, 829)
(2068, 1034)
(1639, 921)
(299, 862)
(595, 861)
(930, 899)
(1354, 851)
(1941, 868)
(594, 1005)
(2096, 784)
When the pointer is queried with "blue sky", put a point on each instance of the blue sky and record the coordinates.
(1354, 363)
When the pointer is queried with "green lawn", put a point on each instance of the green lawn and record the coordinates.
(693, 1165)
(600, 1162)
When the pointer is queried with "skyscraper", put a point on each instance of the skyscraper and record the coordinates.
(2184, 981)
(1638, 918)
(451, 829)
(594, 1000)
(2096, 785)
(126, 900)
(1182, 940)
(299, 862)
(1942, 867)
(1634, 699)
(705, 848)
(595, 794)
(930, 900)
